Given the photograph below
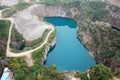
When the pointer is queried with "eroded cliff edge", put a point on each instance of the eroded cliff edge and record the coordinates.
(47, 49)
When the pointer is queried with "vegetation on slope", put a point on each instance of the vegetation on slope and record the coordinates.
(37, 42)
(97, 72)
(19, 44)
(18, 65)
(104, 43)
(17, 40)
(36, 72)
(57, 2)
(98, 37)
(4, 30)
(100, 72)
(94, 10)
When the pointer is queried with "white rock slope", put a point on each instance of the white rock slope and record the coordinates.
(29, 25)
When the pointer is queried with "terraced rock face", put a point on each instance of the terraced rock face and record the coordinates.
(44, 10)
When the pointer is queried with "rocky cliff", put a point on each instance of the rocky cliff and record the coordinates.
(47, 49)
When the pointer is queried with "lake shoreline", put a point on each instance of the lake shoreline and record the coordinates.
(68, 44)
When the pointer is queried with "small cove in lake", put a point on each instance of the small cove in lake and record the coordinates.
(69, 54)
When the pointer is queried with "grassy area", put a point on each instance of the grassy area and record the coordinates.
(4, 31)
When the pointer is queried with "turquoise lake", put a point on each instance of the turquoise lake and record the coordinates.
(68, 54)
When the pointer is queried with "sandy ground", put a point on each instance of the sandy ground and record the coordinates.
(29, 25)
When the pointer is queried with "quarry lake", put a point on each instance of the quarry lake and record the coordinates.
(69, 53)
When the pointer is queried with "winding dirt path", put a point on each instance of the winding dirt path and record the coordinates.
(26, 53)
(12, 54)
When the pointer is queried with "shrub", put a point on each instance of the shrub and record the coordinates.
(100, 72)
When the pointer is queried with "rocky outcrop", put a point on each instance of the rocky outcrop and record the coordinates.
(47, 10)
(47, 49)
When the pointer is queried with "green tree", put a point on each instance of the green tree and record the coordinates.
(100, 72)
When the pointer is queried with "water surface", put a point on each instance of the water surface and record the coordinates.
(69, 54)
